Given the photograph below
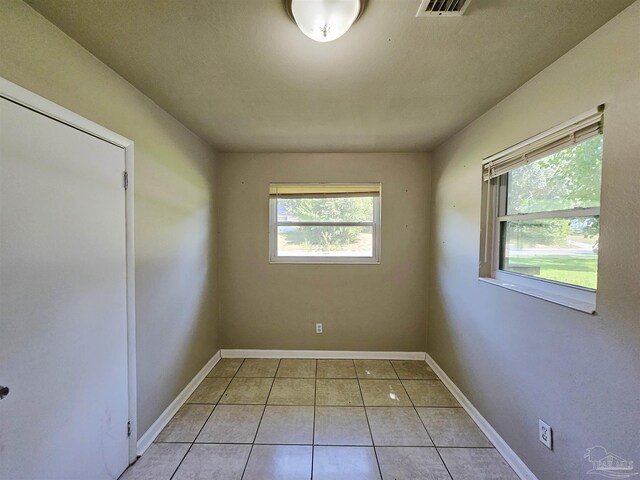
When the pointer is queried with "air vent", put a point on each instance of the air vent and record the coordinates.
(442, 8)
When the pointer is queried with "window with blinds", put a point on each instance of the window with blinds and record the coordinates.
(570, 133)
(324, 223)
(542, 210)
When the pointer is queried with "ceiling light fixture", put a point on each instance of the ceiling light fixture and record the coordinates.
(324, 20)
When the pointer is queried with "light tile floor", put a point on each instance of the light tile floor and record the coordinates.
(297, 419)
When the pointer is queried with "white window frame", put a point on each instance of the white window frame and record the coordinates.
(494, 215)
(376, 224)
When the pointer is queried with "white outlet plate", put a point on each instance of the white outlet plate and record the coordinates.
(318, 328)
(545, 434)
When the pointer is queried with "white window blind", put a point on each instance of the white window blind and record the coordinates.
(569, 133)
(324, 190)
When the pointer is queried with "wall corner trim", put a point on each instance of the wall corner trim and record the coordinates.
(505, 450)
(154, 430)
(322, 354)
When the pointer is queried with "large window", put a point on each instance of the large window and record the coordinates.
(324, 223)
(542, 224)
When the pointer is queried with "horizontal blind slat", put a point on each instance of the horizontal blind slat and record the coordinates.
(324, 195)
(310, 190)
(544, 144)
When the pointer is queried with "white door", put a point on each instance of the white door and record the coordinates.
(63, 324)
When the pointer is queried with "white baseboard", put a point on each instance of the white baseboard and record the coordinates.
(150, 435)
(505, 450)
(323, 354)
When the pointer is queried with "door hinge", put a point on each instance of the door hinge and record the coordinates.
(128, 429)
(125, 178)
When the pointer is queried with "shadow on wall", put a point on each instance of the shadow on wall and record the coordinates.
(174, 246)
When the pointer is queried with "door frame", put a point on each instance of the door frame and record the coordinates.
(32, 101)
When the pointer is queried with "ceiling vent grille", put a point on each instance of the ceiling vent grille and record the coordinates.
(442, 8)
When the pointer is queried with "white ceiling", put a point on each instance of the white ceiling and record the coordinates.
(242, 76)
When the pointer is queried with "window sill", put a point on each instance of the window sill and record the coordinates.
(324, 262)
(575, 304)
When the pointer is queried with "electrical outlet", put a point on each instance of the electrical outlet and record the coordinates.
(318, 328)
(545, 434)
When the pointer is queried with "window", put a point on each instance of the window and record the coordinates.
(324, 223)
(542, 214)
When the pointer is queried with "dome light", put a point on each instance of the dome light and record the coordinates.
(324, 20)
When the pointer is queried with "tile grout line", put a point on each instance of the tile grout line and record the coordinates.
(266, 401)
(307, 378)
(438, 448)
(205, 422)
(366, 415)
(332, 444)
(181, 461)
(424, 426)
(315, 405)
(305, 404)
(429, 379)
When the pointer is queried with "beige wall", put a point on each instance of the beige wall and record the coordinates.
(518, 358)
(176, 302)
(362, 307)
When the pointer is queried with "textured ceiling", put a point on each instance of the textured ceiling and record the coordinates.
(242, 76)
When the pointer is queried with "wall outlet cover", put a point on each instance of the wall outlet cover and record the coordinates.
(545, 434)
(318, 328)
